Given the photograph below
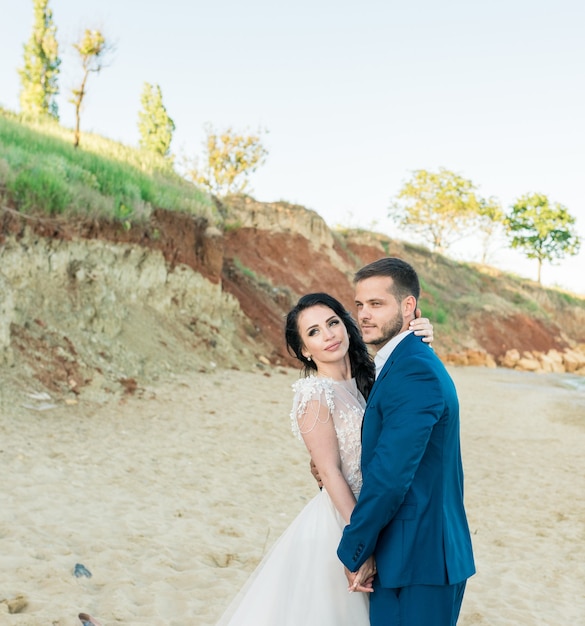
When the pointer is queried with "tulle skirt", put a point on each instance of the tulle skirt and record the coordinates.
(301, 582)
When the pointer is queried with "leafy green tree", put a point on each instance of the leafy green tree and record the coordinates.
(441, 207)
(92, 50)
(40, 73)
(543, 230)
(229, 160)
(155, 126)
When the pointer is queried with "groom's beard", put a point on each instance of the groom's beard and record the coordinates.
(388, 331)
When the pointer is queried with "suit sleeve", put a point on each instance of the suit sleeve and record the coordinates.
(403, 413)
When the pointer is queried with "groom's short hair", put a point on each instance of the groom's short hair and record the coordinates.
(403, 275)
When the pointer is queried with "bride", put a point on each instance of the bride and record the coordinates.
(301, 582)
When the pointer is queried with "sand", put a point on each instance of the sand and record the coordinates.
(170, 497)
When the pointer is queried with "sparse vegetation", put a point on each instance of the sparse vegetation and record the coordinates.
(433, 307)
(340, 237)
(228, 161)
(246, 271)
(260, 281)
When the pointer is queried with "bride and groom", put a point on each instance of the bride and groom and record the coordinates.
(391, 511)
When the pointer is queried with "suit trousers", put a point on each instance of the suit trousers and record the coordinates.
(416, 605)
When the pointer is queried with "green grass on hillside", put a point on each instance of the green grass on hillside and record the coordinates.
(40, 170)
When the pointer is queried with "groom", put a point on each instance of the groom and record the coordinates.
(409, 517)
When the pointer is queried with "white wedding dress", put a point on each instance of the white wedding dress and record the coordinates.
(301, 582)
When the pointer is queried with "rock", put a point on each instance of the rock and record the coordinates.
(17, 604)
(454, 358)
(528, 363)
(510, 358)
(478, 358)
(552, 361)
(573, 360)
(481, 358)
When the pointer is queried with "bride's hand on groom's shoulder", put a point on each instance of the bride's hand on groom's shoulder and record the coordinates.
(422, 327)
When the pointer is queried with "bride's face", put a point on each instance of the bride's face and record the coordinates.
(323, 334)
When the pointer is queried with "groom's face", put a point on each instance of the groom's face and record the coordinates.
(380, 315)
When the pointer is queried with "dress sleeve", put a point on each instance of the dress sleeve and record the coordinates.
(310, 393)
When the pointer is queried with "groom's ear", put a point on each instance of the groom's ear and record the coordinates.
(409, 307)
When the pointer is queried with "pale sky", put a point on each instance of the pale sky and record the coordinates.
(355, 96)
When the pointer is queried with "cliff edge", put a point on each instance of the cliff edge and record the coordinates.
(91, 306)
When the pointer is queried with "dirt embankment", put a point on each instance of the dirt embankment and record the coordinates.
(92, 305)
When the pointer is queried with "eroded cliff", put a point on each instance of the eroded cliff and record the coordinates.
(88, 305)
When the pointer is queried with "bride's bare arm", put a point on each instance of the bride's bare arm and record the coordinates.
(319, 435)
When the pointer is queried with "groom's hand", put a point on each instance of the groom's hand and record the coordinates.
(363, 579)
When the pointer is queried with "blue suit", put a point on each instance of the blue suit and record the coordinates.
(410, 511)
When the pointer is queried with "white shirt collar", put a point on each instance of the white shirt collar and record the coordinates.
(384, 352)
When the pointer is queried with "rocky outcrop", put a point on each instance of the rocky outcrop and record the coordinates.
(93, 312)
(478, 358)
(282, 217)
(570, 360)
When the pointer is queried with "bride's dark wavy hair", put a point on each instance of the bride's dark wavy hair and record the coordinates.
(362, 365)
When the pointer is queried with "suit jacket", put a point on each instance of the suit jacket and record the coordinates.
(410, 511)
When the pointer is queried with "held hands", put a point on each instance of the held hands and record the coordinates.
(422, 327)
(363, 579)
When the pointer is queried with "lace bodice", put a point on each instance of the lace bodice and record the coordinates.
(346, 408)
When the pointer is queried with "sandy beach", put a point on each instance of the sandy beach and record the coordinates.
(169, 497)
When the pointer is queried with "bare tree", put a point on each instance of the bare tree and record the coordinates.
(93, 50)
